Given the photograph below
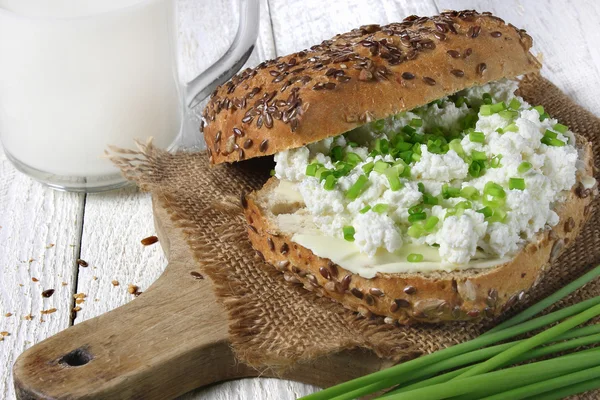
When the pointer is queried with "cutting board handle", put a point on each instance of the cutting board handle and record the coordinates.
(171, 339)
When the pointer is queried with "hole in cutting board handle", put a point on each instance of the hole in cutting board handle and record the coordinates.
(76, 358)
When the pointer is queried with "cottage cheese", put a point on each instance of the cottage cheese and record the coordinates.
(458, 235)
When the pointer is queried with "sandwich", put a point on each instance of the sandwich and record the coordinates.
(411, 180)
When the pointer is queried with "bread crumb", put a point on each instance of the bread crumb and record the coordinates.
(8, 314)
(77, 308)
(115, 283)
(28, 317)
(51, 245)
(82, 263)
(64, 283)
(79, 301)
(95, 278)
(50, 311)
(132, 289)
(79, 296)
(35, 279)
(4, 333)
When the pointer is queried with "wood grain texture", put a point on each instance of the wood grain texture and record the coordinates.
(39, 237)
(170, 339)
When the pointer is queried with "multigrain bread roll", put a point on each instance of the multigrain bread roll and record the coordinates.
(367, 74)
(406, 136)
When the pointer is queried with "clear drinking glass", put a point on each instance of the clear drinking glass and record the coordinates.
(79, 75)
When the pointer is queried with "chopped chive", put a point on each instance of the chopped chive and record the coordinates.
(457, 147)
(549, 134)
(476, 169)
(485, 110)
(416, 230)
(508, 114)
(524, 167)
(560, 128)
(392, 174)
(514, 104)
(352, 144)
(353, 158)
(469, 192)
(552, 142)
(511, 128)
(379, 125)
(414, 257)
(417, 217)
(416, 157)
(495, 161)
(499, 215)
(431, 222)
(516, 183)
(478, 137)
(408, 129)
(311, 169)
(358, 187)
(493, 189)
(487, 98)
(330, 182)
(406, 172)
(365, 209)
(430, 199)
(382, 146)
(403, 146)
(406, 156)
(486, 211)
(421, 187)
(348, 232)
(544, 116)
(272, 172)
(368, 167)
(416, 122)
(415, 209)
(322, 173)
(380, 166)
(478, 155)
(500, 130)
(449, 191)
(466, 204)
(496, 108)
(539, 109)
(380, 208)
(336, 153)
(460, 101)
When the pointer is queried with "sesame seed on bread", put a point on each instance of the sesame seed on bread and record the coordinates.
(368, 73)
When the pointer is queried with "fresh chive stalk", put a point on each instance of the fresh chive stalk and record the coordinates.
(440, 355)
(508, 329)
(570, 390)
(500, 381)
(548, 301)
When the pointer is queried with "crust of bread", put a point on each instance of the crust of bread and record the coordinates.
(367, 74)
(442, 296)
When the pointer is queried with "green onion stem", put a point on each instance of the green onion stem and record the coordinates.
(547, 385)
(582, 336)
(532, 342)
(440, 355)
(506, 379)
(569, 390)
(548, 301)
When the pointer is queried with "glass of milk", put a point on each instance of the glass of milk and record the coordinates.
(79, 75)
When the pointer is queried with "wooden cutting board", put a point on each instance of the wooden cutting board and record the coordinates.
(170, 340)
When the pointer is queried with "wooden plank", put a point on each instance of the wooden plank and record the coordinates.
(39, 238)
(300, 24)
(566, 34)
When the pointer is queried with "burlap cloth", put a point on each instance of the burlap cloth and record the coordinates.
(273, 323)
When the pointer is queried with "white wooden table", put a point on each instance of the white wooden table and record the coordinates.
(44, 232)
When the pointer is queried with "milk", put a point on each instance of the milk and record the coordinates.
(78, 75)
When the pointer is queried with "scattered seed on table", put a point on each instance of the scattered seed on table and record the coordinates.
(82, 263)
(48, 293)
(149, 240)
